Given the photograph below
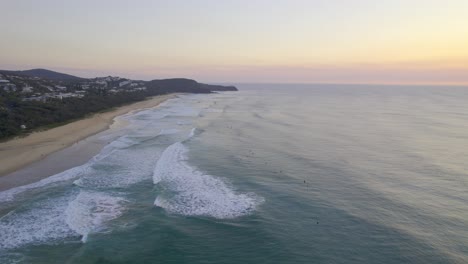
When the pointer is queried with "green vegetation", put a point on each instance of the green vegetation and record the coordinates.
(44, 104)
(15, 113)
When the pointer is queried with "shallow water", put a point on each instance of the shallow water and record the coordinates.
(269, 174)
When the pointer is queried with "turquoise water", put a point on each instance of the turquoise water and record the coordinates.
(269, 174)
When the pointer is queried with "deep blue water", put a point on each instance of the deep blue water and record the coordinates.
(269, 174)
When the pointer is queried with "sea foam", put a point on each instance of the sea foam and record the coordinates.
(64, 176)
(188, 191)
(41, 222)
(90, 211)
(52, 220)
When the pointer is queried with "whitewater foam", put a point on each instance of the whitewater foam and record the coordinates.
(88, 206)
(42, 222)
(65, 176)
(190, 192)
(123, 168)
(90, 211)
(52, 220)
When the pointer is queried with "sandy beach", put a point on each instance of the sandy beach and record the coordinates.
(18, 153)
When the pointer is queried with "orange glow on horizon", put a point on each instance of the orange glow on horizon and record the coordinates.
(364, 41)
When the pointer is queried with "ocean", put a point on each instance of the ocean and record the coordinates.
(270, 174)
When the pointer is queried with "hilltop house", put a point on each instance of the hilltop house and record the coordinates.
(27, 89)
(60, 87)
(124, 83)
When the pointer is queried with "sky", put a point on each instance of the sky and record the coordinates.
(269, 41)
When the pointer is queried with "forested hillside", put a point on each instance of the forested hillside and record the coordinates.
(21, 114)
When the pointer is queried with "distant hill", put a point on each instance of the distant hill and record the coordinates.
(46, 74)
(187, 85)
(214, 87)
(179, 85)
(175, 85)
(38, 98)
(167, 85)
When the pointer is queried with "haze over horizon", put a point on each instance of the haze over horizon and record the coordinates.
(362, 41)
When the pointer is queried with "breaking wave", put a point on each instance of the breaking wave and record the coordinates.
(90, 211)
(188, 191)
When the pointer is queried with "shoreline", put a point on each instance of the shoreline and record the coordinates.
(18, 154)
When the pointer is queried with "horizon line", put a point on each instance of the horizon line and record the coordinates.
(452, 84)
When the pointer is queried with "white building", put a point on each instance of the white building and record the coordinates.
(60, 87)
(68, 95)
(35, 98)
(102, 83)
(124, 83)
(51, 89)
(27, 89)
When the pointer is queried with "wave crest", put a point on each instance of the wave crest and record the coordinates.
(188, 191)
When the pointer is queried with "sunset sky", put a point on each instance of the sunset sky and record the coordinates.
(290, 41)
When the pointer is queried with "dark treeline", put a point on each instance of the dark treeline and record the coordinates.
(14, 112)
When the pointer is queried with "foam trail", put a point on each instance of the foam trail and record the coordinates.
(121, 170)
(90, 211)
(191, 192)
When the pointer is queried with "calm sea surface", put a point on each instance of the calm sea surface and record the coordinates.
(269, 174)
